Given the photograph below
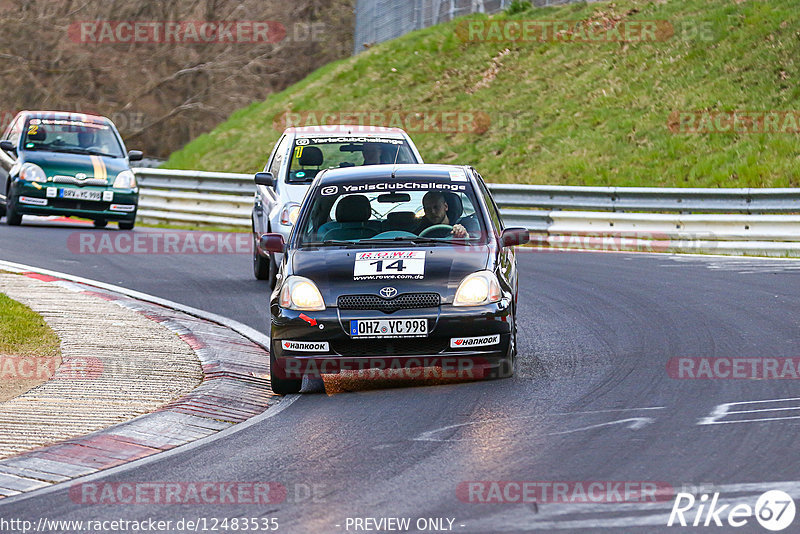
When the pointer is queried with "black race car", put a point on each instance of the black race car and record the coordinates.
(394, 267)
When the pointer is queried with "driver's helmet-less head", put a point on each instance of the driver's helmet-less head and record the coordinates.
(86, 138)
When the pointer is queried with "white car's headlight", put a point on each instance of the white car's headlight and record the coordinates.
(30, 172)
(478, 288)
(300, 293)
(125, 180)
(289, 213)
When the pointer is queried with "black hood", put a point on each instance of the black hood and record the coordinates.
(332, 268)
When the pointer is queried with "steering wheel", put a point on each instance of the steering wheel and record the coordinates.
(95, 148)
(441, 230)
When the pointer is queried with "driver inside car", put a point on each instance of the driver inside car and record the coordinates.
(437, 211)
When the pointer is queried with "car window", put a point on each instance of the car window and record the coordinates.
(71, 135)
(494, 212)
(398, 210)
(15, 131)
(311, 155)
(277, 159)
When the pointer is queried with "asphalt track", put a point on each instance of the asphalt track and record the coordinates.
(591, 401)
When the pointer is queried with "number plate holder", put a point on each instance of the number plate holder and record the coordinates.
(80, 194)
(388, 328)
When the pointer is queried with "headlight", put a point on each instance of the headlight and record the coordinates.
(478, 288)
(125, 180)
(290, 213)
(31, 172)
(299, 293)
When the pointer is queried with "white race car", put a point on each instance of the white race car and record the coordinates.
(298, 156)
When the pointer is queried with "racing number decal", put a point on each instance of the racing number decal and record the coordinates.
(396, 265)
(33, 129)
(298, 151)
(409, 264)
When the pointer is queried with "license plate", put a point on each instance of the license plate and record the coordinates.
(81, 194)
(365, 328)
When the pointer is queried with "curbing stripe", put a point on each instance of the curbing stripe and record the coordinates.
(230, 395)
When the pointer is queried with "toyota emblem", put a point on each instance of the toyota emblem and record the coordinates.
(388, 292)
(80, 176)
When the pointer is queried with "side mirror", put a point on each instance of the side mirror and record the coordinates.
(135, 155)
(512, 237)
(8, 146)
(271, 243)
(265, 178)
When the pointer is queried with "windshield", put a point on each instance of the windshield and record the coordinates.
(71, 135)
(413, 210)
(311, 155)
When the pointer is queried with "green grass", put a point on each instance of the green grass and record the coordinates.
(23, 332)
(566, 113)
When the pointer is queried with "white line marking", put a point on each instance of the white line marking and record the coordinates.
(721, 410)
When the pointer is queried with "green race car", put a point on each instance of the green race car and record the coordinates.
(68, 164)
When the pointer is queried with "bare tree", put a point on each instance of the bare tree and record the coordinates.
(161, 93)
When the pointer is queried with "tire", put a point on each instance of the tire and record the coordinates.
(126, 225)
(100, 223)
(282, 386)
(506, 367)
(264, 268)
(260, 264)
(13, 218)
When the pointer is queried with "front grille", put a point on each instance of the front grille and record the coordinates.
(61, 179)
(389, 347)
(406, 301)
(75, 204)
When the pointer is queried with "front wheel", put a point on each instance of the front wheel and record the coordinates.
(126, 225)
(282, 386)
(507, 364)
(13, 217)
(100, 223)
(264, 268)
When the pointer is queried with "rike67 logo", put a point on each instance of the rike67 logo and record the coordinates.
(774, 510)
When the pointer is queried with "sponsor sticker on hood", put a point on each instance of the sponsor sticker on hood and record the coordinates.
(398, 265)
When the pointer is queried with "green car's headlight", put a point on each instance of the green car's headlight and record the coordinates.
(125, 180)
(30, 172)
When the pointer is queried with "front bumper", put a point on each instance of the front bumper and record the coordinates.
(446, 323)
(31, 198)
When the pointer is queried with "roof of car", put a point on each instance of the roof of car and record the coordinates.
(333, 130)
(69, 115)
(392, 172)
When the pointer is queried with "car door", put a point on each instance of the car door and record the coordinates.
(7, 159)
(266, 197)
(507, 263)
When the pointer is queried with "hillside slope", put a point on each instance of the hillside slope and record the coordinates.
(569, 112)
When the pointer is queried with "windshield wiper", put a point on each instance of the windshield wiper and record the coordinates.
(416, 240)
(328, 243)
(78, 150)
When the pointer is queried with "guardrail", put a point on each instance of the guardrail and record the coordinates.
(725, 221)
